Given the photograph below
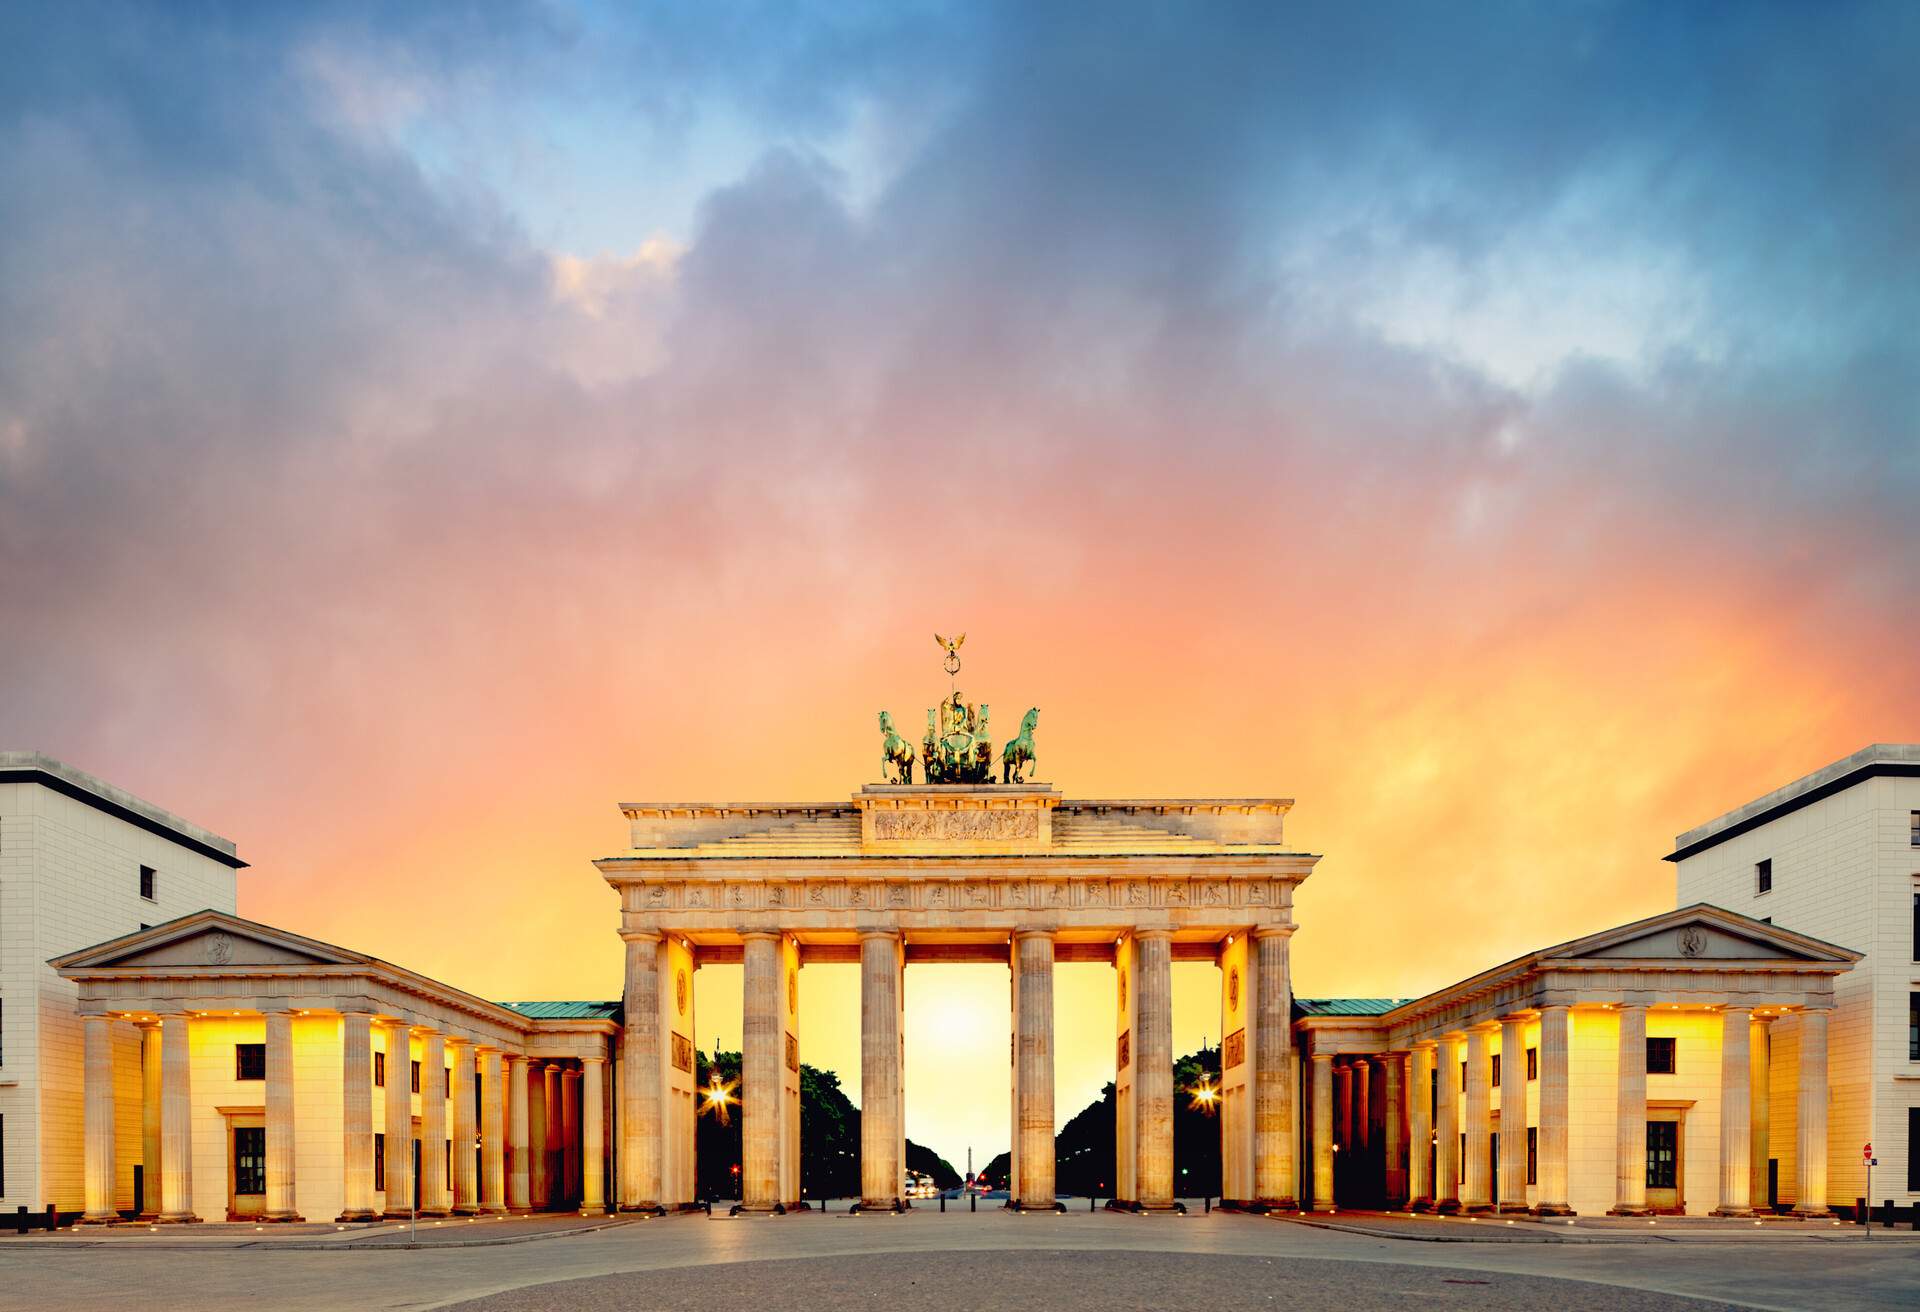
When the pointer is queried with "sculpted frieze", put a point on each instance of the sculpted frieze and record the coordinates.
(965, 826)
(942, 894)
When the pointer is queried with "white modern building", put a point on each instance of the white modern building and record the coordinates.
(1836, 855)
(80, 861)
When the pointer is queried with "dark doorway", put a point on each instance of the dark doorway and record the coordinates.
(416, 1175)
(249, 1159)
(1493, 1166)
(139, 1189)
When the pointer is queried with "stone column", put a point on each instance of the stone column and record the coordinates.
(97, 1090)
(1322, 1131)
(1420, 1128)
(1033, 1079)
(1811, 1196)
(1362, 1069)
(1273, 1068)
(593, 1134)
(1630, 1143)
(1446, 1151)
(1513, 1114)
(356, 1106)
(435, 1199)
(150, 1121)
(569, 1168)
(176, 1122)
(1555, 1110)
(493, 1141)
(1153, 1067)
(1476, 1194)
(1736, 1114)
(399, 1129)
(1395, 1174)
(519, 1135)
(761, 1039)
(556, 1147)
(281, 1204)
(1760, 1095)
(642, 1113)
(880, 1110)
(539, 1141)
(466, 1193)
(1343, 1096)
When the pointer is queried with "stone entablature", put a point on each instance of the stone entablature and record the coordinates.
(982, 818)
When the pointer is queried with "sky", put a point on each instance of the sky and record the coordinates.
(424, 428)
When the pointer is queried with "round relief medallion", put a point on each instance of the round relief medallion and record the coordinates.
(219, 948)
(1233, 989)
(680, 990)
(1692, 941)
(793, 990)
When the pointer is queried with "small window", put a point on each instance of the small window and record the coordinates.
(1533, 1064)
(415, 1073)
(144, 927)
(1463, 1077)
(147, 880)
(1913, 1158)
(1663, 1154)
(1913, 1028)
(249, 1061)
(249, 1159)
(446, 1087)
(1462, 1167)
(1533, 1154)
(1913, 828)
(1916, 924)
(379, 1158)
(1763, 877)
(379, 1070)
(1660, 1056)
(1494, 1073)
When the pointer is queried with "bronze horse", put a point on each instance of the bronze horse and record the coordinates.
(1019, 754)
(895, 751)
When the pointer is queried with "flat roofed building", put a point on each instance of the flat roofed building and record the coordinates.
(80, 861)
(1837, 854)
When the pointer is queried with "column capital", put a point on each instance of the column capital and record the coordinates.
(1326, 1057)
(1546, 1007)
(1484, 1027)
(593, 1061)
(774, 934)
(1518, 1017)
(1033, 931)
(893, 934)
(1152, 931)
(1270, 931)
(641, 936)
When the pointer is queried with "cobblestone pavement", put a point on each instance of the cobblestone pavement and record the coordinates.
(817, 1261)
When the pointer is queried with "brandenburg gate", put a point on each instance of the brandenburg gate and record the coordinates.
(957, 868)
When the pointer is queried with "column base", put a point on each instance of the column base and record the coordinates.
(176, 1218)
(1476, 1209)
(1447, 1207)
(1636, 1209)
(1821, 1213)
(1154, 1209)
(1740, 1213)
(1554, 1209)
(1420, 1205)
(359, 1214)
(434, 1213)
(650, 1209)
(490, 1209)
(282, 1218)
(1013, 1205)
(1513, 1209)
(98, 1218)
(757, 1209)
(886, 1206)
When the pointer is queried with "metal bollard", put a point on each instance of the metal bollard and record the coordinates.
(1090, 1202)
(973, 1201)
(943, 1200)
(20, 1220)
(1859, 1211)
(53, 1218)
(1208, 1209)
(1888, 1223)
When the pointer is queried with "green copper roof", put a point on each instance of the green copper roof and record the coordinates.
(566, 1010)
(1346, 1006)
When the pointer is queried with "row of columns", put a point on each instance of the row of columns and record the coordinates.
(529, 1151)
(1442, 1182)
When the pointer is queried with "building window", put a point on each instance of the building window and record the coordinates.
(1533, 1154)
(249, 1159)
(1463, 1077)
(147, 878)
(1660, 1058)
(249, 1061)
(1916, 924)
(379, 1159)
(1533, 1064)
(1462, 1165)
(1913, 1158)
(446, 1088)
(379, 1070)
(1763, 877)
(414, 1073)
(1913, 1027)
(1493, 1073)
(1663, 1154)
(1913, 828)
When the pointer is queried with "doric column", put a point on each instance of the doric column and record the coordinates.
(356, 1106)
(1033, 1070)
(176, 1122)
(642, 1115)
(463, 1115)
(1420, 1128)
(1273, 1068)
(493, 1139)
(539, 1145)
(1153, 1067)
(593, 1134)
(281, 1204)
(1630, 1143)
(1395, 1172)
(149, 1121)
(1513, 1114)
(1343, 1097)
(1446, 1150)
(1475, 1193)
(880, 1110)
(1736, 1114)
(760, 1054)
(399, 1131)
(434, 1197)
(569, 1168)
(1555, 1109)
(1760, 1098)
(1322, 1131)
(519, 1135)
(1362, 1108)
(1810, 1199)
(97, 1090)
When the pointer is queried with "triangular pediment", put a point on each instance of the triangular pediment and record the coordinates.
(208, 940)
(1702, 933)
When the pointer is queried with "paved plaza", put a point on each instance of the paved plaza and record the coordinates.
(930, 1259)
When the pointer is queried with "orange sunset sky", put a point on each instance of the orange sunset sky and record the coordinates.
(418, 437)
